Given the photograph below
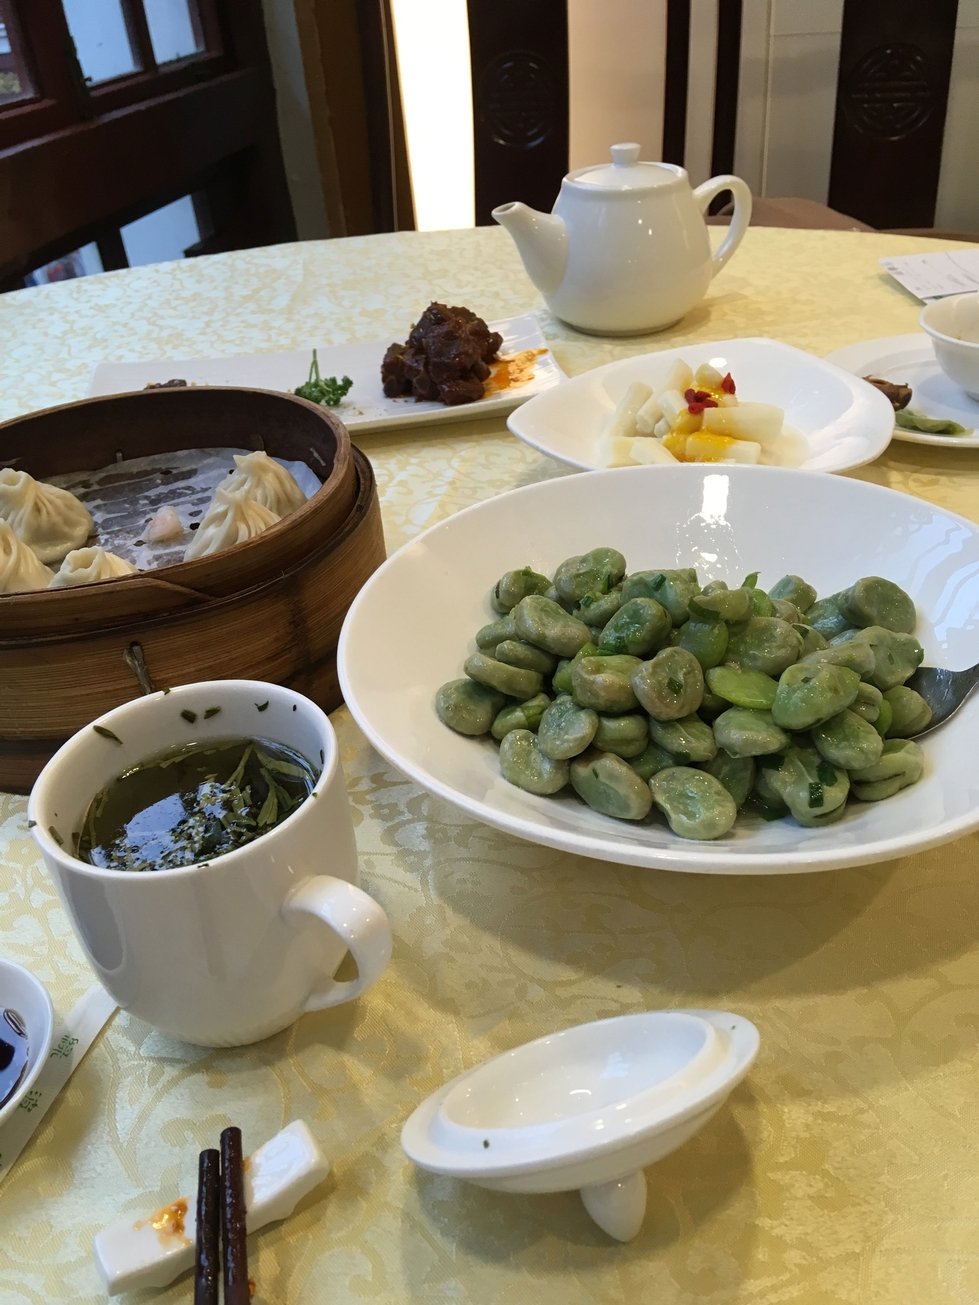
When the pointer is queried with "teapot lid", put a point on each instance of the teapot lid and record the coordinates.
(626, 172)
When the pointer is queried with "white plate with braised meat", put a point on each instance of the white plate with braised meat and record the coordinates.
(452, 360)
(931, 405)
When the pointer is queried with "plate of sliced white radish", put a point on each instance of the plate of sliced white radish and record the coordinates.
(742, 402)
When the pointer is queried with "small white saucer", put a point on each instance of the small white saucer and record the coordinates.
(910, 360)
(587, 1108)
(21, 992)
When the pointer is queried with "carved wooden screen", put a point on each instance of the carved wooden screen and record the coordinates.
(895, 61)
(519, 55)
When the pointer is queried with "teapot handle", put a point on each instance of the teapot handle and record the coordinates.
(739, 222)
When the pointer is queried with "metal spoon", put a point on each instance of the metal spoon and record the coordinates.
(944, 691)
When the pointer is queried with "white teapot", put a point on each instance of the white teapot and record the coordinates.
(626, 249)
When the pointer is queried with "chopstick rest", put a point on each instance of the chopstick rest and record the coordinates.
(153, 1250)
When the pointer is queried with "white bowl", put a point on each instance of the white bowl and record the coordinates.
(953, 325)
(21, 992)
(846, 422)
(587, 1108)
(412, 625)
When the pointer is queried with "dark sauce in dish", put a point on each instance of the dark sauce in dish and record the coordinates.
(193, 803)
(14, 1049)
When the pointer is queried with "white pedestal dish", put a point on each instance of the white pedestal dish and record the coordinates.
(585, 1109)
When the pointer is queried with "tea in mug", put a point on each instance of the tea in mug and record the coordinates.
(193, 803)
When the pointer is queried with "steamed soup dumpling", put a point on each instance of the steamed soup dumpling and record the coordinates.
(50, 520)
(20, 567)
(230, 519)
(84, 566)
(263, 480)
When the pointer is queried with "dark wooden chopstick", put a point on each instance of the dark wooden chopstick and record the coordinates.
(233, 1219)
(207, 1257)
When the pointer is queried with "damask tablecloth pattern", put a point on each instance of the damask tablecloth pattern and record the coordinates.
(843, 1170)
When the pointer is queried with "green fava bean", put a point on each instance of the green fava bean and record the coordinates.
(707, 640)
(786, 611)
(743, 732)
(811, 787)
(696, 805)
(867, 702)
(876, 601)
(626, 736)
(688, 739)
(595, 572)
(901, 763)
(896, 656)
(566, 729)
(854, 653)
(490, 636)
(561, 680)
(610, 785)
(712, 706)
(731, 605)
(883, 722)
(794, 589)
(671, 685)
(910, 714)
(520, 716)
(761, 604)
(598, 609)
(765, 769)
(848, 740)
(764, 643)
(743, 688)
(672, 589)
(517, 653)
(514, 681)
(812, 640)
(604, 683)
(513, 586)
(737, 774)
(810, 693)
(467, 707)
(522, 763)
(651, 760)
(547, 625)
(638, 628)
(826, 617)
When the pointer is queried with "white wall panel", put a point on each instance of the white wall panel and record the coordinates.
(701, 67)
(616, 56)
(958, 182)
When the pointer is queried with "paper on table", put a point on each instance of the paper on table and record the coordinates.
(935, 276)
(73, 1035)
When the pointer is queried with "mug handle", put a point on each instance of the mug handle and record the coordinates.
(357, 919)
(739, 222)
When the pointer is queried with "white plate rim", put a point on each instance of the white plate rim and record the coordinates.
(680, 855)
(864, 355)
(134, 374)
(518, 421)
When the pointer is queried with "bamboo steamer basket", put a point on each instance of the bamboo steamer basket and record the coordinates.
(268, 609)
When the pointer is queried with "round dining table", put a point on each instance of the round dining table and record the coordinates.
(845, 1168)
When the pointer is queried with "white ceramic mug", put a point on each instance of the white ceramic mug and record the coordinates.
(228, 951)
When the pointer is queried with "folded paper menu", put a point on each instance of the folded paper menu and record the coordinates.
(935, 276)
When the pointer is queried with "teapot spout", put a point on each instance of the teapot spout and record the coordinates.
(541, 240)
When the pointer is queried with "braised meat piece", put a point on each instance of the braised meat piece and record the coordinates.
(898, 395)
(446, 357)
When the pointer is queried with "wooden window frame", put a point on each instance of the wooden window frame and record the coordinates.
(62, 97)
(78, 162)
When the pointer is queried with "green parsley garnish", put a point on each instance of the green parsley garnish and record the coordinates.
(323, 389)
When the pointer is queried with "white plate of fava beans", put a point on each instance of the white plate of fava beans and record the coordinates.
(413, 624)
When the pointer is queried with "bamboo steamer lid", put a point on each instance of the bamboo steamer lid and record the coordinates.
(270, 608)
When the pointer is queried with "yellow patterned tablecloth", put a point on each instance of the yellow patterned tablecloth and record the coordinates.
(843, 1170)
